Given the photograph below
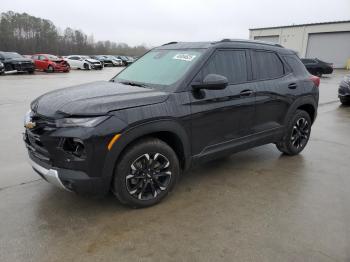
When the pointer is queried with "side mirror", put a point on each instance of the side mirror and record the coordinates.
(212, 82)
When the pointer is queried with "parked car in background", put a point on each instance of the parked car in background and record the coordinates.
(28, 56)
(124, 59)
(2, 68)
(344, 91)
(50, 63)
(180, 104)
(82, 62)
(102, 60)
(96, 64)
(114, 61)
(16, 63)
(317, 67)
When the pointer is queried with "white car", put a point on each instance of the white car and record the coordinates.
(83, 62)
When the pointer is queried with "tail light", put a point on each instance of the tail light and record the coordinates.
(316, 80)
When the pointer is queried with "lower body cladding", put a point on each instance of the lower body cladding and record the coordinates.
(71, 158)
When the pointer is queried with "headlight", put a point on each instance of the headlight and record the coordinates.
(81, 122)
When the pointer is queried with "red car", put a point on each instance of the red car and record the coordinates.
(50, 63)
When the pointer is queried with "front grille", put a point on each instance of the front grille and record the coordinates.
(23, 66)
(34, 137)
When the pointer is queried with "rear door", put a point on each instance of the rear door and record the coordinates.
(220, 117)
(74, 61)
(276, 89)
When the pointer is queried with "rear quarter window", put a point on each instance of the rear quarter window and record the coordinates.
(267, 65)
(296, 65)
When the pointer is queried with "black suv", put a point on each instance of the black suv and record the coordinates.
(14, 62)
(175, 107)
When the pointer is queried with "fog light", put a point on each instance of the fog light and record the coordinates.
(74, 146)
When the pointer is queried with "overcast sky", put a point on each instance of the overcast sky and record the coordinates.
(154, 22)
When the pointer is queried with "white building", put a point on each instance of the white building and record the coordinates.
(328, 41)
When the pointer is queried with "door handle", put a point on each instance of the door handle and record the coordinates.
(292, 86)
(246, 93)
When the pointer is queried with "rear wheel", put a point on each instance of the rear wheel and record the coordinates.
(297, 134)
(146, 173)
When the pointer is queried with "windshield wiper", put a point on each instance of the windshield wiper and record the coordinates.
(129, 83)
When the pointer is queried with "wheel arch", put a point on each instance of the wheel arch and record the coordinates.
(169, 131)
(307, 103)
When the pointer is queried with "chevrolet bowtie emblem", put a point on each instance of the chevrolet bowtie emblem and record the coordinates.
(30, 125)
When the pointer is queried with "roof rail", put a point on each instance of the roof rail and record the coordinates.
(170, 43)
(248, 41)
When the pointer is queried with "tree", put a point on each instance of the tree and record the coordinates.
(28, 34)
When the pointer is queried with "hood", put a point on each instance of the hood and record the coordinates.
(19, 60)
(96, 98)
(92, 60)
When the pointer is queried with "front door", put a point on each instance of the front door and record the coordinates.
(221, 117)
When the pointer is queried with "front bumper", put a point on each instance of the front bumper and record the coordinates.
(62, 68)
(344, 92)
(50, 175)
(67, 179)
(52, 158)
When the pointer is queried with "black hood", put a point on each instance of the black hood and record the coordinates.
(18, 60)
(96, 98)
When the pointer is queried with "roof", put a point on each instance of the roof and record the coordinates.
(298, 25)
(204, 45)
(225, 43)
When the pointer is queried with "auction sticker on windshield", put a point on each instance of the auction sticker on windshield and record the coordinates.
(184, 57)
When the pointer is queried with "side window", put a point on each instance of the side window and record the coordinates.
(229, 63)
(73, 58)
(42, 58)
(267, 65)
(295, 63)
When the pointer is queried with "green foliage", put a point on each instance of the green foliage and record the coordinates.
(28, 34)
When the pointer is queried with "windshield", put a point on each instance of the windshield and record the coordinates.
(9, 55)
(52, 57)
(160, 67)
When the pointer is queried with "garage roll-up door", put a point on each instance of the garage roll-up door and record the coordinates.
(269, 38)
(330, 47)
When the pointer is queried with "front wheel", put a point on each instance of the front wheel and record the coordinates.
(146, 173)
(50, 69)
(87, 66)
(297, 134)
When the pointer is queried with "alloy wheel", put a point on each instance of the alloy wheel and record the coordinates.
(149, 176)
(300, 133)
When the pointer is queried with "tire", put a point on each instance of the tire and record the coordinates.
(50, 69)
(31, 72)
(87, 67)
(344, 101)
(8, 67)
(297, 134)
(147, 171)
